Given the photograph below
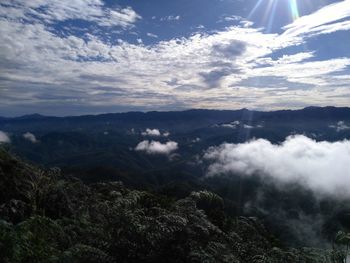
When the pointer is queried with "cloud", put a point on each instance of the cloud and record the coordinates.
(151, 132)
(231, 49)
(214, 77)
(30, 137)
(321, 166)
(4, 138)
(237, 124)
(231, 125)
(41, 69)
(170, 18)
(324, 21)
(340, 126)
(232, 18)
(154, 132)
(196, 140)
(246, 126)
(152, 35)
(62, 10)
(155, 147)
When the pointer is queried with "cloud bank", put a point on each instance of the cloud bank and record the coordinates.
(30, 137)
(4, 138)
(320, 166)
(155, 147)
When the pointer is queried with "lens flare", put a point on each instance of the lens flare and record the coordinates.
(270, 7)
(294, 9)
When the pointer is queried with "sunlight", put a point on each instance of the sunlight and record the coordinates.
(258, 4)
(270, 10)
(293, 4)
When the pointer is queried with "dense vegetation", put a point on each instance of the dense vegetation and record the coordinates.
(48, 217)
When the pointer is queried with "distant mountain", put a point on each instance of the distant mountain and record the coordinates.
(178, 120)
(34, 116)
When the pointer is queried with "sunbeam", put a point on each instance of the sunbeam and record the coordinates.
(293, 4)
(258, 4)
(272, 16)
(270, 9)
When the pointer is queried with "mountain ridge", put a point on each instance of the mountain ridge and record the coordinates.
(311, 111)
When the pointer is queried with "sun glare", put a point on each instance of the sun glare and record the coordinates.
(293, 4)
(270, 7)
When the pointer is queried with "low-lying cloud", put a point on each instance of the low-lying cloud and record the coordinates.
(30, 137)
(320, 166)
(155, 133)
(4, 138)
(237, 124)
(340, 126)
(154, 147)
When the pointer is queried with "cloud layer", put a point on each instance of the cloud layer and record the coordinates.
(320, 166)
(155, 147)
(44, 66)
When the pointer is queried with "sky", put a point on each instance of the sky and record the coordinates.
(64, 57)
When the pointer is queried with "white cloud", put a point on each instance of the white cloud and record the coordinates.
(62, 10)
(30, 137)
(323, 21)
(321, 166)
(152, 35)
(154, 147)
(4, 138)
(170, 18)
(154, 132)
(237, 124)
(151, 132)
(340, 126)
(232, 18)
(231, 125)
(40, 67)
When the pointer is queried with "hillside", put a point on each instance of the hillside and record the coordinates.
(46, 217)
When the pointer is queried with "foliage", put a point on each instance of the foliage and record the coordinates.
(46, 217)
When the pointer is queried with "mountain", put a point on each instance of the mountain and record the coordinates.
(34, 116)
(103, 149)
(107, 139)
(47, 217)
(179, 121)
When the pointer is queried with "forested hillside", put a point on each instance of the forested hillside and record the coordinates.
(47, 217)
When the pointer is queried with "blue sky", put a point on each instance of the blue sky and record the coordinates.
(60, 57)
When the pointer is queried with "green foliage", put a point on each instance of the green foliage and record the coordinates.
(46, 217)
